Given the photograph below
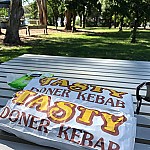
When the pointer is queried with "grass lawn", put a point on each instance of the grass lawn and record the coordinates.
(93, 42)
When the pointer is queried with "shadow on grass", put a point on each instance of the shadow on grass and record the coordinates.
(114, 45)
(91, 47)
(120, 34)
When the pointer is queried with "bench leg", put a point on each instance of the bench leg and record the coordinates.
(26, 31)
(29, 31)
(46, 30)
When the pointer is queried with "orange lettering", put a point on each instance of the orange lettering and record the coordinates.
(116, 93)
(61, 112)
(22, 96)
(87, 115)
(112, 123)
(61, 82)
(97, 89)
(42, 102)
(46, 80)
(78, 87)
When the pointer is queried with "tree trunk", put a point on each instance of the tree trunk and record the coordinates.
(144, 23)
(53, 21)
(68, 19)
(84, 21)
(80, 15)
(12, 31)
(62, 20)
(115, 24)
(121, 23)
(109, 24)
(133, 34)
(56, 23)
(110, 21)
(74, 20)
(96, 21)
(42, 9)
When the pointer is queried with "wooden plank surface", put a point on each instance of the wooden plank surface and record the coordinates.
(120, 75)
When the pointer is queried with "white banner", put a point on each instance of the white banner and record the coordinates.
(68, 115)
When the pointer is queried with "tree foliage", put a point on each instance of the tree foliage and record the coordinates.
(55, 4)
(91, 12)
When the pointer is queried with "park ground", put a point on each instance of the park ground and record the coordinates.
(90, 42)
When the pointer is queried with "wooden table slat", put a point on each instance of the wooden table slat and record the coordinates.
(95, 69)
(135, 68)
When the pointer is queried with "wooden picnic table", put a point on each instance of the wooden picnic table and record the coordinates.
(121, 75)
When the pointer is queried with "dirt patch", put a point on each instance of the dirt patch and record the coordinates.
(34, 34)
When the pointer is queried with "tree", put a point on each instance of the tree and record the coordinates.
(122, 10)
(34, 10)
(61, 10)
(87, 10)
(31, 10)
(136, 14)
(12, 32)
(93, 13)
(74, 7)
(54, 4)
(42, 9)
(2, 13)
(145, 12)
(70, 13)
(107, 11)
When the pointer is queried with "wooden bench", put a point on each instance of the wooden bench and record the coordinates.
(29, 27)
(121, 75)
(35, 24)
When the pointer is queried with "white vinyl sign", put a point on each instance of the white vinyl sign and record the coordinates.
(68, 115)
